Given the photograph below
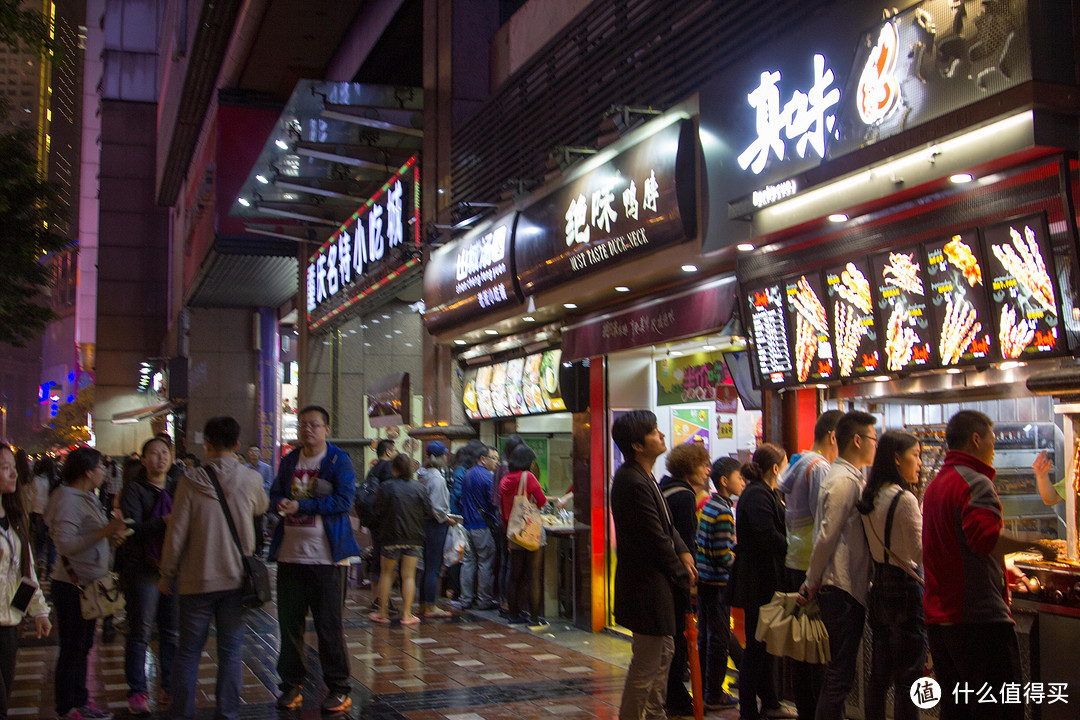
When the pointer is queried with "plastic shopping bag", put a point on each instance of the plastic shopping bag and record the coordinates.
(454, 547)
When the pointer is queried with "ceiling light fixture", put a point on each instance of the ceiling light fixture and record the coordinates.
(281, 144)
(244, 201)
(459, 342)
(960, 178)
(570, 306)
(689, 268)
(529, 318)
(882, 378)
(822, 386)
(709, 348)
(954, 371)
(621, 288)
(745, 247)
(675, 353)
(489, 331)
(262, 178)
(838, 218)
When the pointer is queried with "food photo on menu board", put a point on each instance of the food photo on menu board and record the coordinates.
(959, 303)
(550, 392)
(1025, 306)
(515, 399)
(767, 323)
(812, 344)
(855, 338)
(499, 405)
(902, 309)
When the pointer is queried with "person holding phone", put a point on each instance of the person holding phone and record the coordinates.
(19, 591)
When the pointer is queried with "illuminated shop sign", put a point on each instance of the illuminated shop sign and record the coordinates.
(523, 386)
(774, 193)
(637, 202)
(339, 273)
(879, 89)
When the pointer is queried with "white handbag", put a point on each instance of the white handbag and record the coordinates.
(524, 527)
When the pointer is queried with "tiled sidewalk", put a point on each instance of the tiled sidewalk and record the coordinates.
(469, 667)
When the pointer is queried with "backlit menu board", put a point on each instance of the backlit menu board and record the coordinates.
(851, 311)
(903, 309)
(959, 304)
(1020, 266)
(811, 343)
(523, 386)
(767, 323)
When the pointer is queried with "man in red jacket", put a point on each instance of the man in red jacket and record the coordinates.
(970, 628)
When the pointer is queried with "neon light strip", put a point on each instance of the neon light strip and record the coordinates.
(409, 264)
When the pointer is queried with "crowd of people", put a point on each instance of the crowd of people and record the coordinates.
(842, 526)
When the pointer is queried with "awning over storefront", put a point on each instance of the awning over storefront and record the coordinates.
(246, 272)
(698, 310)
(143, 413)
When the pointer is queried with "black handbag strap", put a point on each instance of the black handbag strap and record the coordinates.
(889, 519)
(224, 506)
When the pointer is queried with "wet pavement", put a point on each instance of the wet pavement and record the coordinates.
(472, 666)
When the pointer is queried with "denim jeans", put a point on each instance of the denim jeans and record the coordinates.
(757, 675)
(844, 618)
(196, 612)
(477, 568)
(320, 589)
(145, 606)
(76, 639)
(714, 633)
(645, 690)
(434, 543)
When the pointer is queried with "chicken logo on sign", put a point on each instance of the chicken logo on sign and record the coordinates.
(879, 90)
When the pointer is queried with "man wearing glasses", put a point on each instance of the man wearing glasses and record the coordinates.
(313, 493)
(839, 574)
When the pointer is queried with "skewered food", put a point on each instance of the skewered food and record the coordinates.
(855, 288)
(1024, 262)
(808, 305)
(958, 330)
(959, 254)
(849, 332)
(903, 272)
(1015, 335)
(900, 339)
(805, 344)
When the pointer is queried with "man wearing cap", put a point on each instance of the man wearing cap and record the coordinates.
(433, 477)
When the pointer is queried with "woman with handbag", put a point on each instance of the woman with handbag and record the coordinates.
(893, 523)
(757, 573)
(19, 591)
(146, 502)
(403, 508)
(82, 533)
(524, 562)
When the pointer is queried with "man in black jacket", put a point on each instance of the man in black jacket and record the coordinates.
(653, 565)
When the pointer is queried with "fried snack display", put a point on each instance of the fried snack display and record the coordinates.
(1014, 335)
(959, 254)
(959, 329)
(805, 344)
(849, 332)
(1023, 259)
(809, 306)
(855, 288)
(903, 272)
(900, 340)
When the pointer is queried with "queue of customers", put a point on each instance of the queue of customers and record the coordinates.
(861, 547)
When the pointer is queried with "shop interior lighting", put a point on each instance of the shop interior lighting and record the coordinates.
(960, 178)
(882, 378)
(570, 306)
(689, 268)
(244, 201)
(709, 348)
(489, 331)
(954, 371)
(281, 144)
(675, 353)
(622, 288)
(822, 386)
(262, 178)
(529, 318)
(385, 316)
(459, 342)
(838, 217)
(745, 247)
(1011, 364)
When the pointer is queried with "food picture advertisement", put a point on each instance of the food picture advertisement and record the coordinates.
(1025, 307)
(765, 319)
(811, 343)
(902, 309)
(851, 305)
(690, 426)
(522, 386)
(691, 378)
(959, 304)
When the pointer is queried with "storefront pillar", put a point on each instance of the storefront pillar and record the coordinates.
(302, 255)
(800, 411)
(591, 473)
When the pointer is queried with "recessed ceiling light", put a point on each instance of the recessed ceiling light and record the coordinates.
(489, 331)
(822, 386)
(745, 247)
(529, 318)
(262, 178)
(954, 371)
(621, 288)
(960, 178)
(244, 201)
(675, 353)
(709, 348)
(459, 342)
(281, 144)
(570, 306)
(389, 336)
(375, 320)
(397, 332)
(689, 268)
(408, 344)
(385, 316)
(882, 378)
(367, 344)
(1011, 364)
(838, 218)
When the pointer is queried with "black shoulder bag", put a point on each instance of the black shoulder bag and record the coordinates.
(256, 588)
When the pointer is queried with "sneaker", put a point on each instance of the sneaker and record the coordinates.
(139, 704)
(90, 712)
(290, 699)
(337, 702)
(783, 710)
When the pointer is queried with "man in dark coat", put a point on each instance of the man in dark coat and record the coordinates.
(653, 564)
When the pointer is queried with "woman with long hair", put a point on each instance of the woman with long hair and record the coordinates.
(18, 564)
(45, 481)
(758, 572)
(82, 533)
(147, 502)
(893, 523)
(524, 563)
(402, 507)
(433, 478)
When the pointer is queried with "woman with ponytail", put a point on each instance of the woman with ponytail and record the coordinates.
(758, 573)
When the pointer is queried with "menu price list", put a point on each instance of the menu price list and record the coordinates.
(851, 305)
(958, 300)
(770, 334)
(903, 315)
(1025, 306)
(811, 344)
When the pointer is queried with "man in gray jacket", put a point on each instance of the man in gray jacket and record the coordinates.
(839, 574)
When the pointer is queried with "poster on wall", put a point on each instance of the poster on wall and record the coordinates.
(851, 307)
(902, 309)
(959, 304)
(690, 426)
(691, 378)
(811, 342)
(1023, 302)
(725, 429)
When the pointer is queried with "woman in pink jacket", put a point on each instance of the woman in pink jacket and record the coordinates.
(524, 564)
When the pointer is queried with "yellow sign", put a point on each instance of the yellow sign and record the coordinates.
(725, 429)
